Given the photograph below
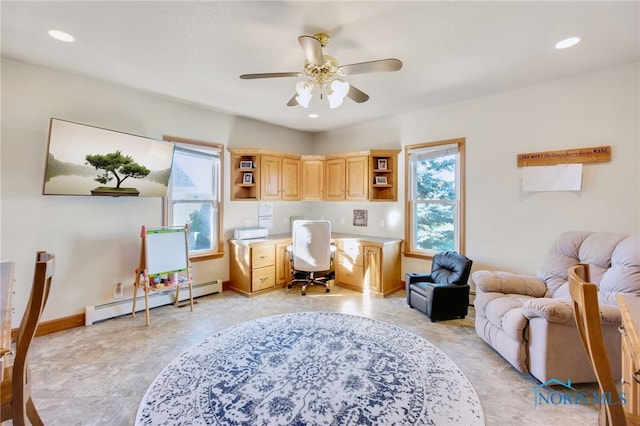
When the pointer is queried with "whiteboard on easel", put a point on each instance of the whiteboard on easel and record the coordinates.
(166, 250)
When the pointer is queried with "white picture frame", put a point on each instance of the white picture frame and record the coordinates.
(247, 178)
(381, 180)
(246, 164)
(382, 164)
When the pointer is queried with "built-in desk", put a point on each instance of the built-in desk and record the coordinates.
(630, 310)
(362, 263)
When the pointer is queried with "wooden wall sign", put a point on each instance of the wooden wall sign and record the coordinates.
(595, 154)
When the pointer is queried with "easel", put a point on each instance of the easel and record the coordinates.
(164, 264)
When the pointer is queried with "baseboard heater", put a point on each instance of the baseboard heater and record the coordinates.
(122, 307)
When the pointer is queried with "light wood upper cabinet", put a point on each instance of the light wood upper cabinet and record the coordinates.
(245, 168)
(335, 179)
(368, 175)
(346, 178)
(270, 168)
(312, 179)
(291, 188)
(357, 178)
(279, 178)
(383, 176)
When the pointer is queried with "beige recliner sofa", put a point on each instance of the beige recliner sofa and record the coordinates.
(529, 320)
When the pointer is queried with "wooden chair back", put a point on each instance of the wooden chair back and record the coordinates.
(18, 405)
(584, 295)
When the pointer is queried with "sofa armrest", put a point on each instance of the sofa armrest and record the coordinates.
(508, 283)
(560, 311)
(553, 310)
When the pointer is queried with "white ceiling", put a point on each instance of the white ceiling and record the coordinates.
(194, 51)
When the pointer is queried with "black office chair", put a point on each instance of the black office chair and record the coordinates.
(311, 254)
(444, 293)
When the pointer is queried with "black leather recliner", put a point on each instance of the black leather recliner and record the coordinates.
(444, 293)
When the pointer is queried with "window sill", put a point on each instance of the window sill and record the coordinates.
(206, 256)
(419, 255)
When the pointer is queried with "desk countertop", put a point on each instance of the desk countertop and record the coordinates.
(334, 236)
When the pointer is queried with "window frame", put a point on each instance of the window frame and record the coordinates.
(215, 252)
(410, 249)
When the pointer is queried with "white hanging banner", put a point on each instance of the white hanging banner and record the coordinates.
(563, 177)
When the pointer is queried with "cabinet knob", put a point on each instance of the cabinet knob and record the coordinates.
(621, 330)
(636, 376)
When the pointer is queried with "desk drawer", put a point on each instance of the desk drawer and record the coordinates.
(349, 274)
(350, 252)
(263, 256)
(263, 278)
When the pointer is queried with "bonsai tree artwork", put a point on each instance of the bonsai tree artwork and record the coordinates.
(118, 166)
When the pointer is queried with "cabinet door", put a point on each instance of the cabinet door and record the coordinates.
(630, 387)
(283, 264)
(312, 180)
(373, 268)
(291, 179)
(349, 264)
(357, 178)
(269, 177)
(335, 179)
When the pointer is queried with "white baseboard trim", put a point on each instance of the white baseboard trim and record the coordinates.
(105, 311)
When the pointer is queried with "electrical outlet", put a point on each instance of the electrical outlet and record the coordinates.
(285, 220)
(117, 290)
(342, 220)
(248, 223)
(381, 223)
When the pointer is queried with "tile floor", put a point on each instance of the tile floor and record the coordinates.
(97, 375)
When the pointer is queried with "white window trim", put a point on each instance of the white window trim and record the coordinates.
(218, 149)
(429, 150)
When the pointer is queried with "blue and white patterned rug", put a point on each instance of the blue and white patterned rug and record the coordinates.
(312, 368)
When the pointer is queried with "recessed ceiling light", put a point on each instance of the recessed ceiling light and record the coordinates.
(567, 42)
(313, 116)
(61, 35)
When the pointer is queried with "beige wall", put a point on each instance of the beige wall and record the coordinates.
(97, 242)
(507, 228)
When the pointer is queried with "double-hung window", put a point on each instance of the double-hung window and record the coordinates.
(194, 196)
(435, 197)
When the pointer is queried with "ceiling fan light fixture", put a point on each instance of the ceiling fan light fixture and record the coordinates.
(305, 93)
(337, 92)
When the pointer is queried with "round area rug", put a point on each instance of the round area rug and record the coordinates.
(312, 368)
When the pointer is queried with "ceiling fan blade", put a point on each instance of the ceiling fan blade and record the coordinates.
(381, 65)
(270, 75)
(312, 49)
(293, 101)
(357, 95)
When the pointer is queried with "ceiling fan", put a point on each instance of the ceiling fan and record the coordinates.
(321, 72)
